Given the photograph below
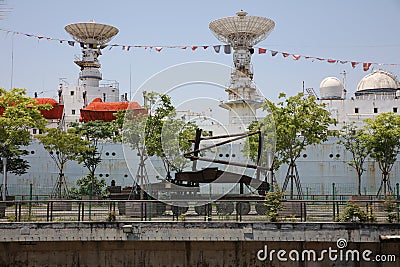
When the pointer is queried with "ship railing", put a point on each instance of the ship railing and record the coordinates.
(232, 210)
(109, 83)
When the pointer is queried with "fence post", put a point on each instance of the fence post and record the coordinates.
(333, 200)
(48, 211)
(30, 201)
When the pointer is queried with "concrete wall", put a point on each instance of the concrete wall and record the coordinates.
(181, 244)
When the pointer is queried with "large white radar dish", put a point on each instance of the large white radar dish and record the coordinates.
(91, 32)
(242, 30)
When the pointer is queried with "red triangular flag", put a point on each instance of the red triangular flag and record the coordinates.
(262, 50)
(194, 47)
(205, 47)
(366, 66)
(331, 61)
(296, 57)
(158, 49)
(353, 64)
(285, 54)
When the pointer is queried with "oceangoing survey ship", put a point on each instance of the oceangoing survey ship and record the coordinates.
(95, 99)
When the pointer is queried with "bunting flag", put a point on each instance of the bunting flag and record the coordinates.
(217, 48)
(296, 57)
(366, 66)
(227, 49)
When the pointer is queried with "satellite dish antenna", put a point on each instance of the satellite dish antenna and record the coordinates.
(242, 32)
(91, 32)
(92, 36)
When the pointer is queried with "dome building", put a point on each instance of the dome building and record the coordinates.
(377, 92)
(331, 88)
(378, 82)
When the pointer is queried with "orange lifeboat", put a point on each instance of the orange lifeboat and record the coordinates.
(52, 114)
(104, 111)
(55, 112)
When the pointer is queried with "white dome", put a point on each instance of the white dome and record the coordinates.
(331, 87)
(378, 80)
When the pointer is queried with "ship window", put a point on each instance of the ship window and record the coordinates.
(72, 92)
(375, 110)
(331, 155)
(220, 155)
(338, 155)
(107, 154)
(395, 110)
(101, 175)
(356, 110)
(51, 152)
(233, 155)
(210, 133)
(227, 155)
(107, 175)
(40, 131)
(34, 131)
(126, 175)
(32, 152)
(304, 155)
(73, 112)
(113, 154)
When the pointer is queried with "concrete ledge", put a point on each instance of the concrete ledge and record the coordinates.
(195, 231)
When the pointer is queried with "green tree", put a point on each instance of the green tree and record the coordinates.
(265, 155)
(175, 142)
(353, 141)
(18, 114)
(299, 121)
(383, 140)
(95, 133)
(62, 147)
(157, 133)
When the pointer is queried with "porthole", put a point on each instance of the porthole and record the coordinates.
(126, 175)
(304, 155)
(107, 154)
(32, 152)
(338, 155)
(51, 152)
(220, 155)
(57, 152)
(107, 175)
(113, 154)
(100, 175)
(227, 155)
(331, 155)
(233, 155)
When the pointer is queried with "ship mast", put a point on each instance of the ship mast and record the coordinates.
(242, 32)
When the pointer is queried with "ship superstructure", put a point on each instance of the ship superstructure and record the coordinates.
(242, 32)
(319, 166)
(92, 37)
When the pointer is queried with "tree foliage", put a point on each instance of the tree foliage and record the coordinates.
(382, 139)
(19, 113)
(94, 132)
(353, 139)
(299, 121)
(158, 133)
(62, 147)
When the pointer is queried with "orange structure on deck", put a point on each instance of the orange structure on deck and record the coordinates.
(56, 112)
(98, 110)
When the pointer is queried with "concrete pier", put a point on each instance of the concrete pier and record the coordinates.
(197, 244)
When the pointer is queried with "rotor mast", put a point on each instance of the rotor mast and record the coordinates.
(242, 32)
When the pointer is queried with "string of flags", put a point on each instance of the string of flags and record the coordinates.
(227, 49)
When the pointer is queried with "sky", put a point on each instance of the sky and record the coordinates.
(362, 31)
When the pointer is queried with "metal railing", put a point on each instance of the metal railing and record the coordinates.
(310, 210)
